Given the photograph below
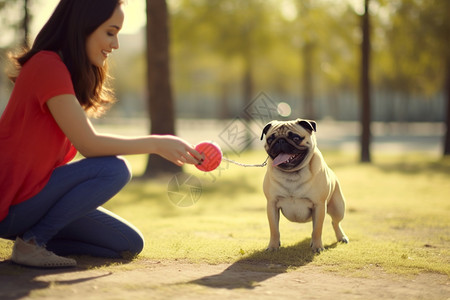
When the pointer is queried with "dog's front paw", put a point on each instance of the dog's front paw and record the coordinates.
(273, 246)
(344, 240)
(318, 250)
(317, 247)
(272, 249)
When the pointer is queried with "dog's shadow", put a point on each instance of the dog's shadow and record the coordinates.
(259, 266)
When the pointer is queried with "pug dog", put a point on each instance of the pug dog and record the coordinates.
(299, 183)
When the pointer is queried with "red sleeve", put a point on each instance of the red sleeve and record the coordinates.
(53, 79)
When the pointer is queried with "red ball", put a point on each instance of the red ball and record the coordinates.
(212, 156)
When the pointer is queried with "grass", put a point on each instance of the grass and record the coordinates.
(397, 217)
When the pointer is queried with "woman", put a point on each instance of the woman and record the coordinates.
(49, 206)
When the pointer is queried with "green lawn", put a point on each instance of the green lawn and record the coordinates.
(397, 217)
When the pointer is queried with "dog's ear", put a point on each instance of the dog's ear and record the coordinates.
(266, 129)
(307, 124)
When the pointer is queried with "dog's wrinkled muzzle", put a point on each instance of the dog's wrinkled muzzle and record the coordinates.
(286, 155)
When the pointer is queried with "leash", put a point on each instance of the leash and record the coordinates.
(247, 165)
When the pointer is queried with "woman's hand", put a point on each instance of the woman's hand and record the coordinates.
(176, 150)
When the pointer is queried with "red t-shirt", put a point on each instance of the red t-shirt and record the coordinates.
(31, 143)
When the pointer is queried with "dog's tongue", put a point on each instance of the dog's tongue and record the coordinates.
(281, 158)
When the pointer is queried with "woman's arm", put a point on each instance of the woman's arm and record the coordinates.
(73, 121)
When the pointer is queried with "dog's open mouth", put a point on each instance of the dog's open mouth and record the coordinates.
(283, 158)
(289, 160)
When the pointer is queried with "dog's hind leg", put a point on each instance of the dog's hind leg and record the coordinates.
(336, 209)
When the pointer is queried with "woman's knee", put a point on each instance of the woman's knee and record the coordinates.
(135, 245)
(117, 167)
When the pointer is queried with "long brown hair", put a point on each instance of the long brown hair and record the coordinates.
(65, 33)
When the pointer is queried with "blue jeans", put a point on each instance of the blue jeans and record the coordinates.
(66, 215)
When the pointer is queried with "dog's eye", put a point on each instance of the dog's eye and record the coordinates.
(297, 139)
(270, 139)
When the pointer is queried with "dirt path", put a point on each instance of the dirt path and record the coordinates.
(144, 279)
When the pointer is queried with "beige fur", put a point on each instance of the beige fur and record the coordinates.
(305, 192)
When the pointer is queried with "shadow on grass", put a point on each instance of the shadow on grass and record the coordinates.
(259, 266)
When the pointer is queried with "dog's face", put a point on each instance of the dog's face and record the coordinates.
(290, 144)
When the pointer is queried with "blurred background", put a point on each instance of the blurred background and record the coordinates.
(305, 54)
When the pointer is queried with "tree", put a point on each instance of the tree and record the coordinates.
(365, 85)
(415, 57)
(26, 23)
(220, 46)
(447, 90)
(243, 30)
(227, 31)
(22, 24)
(160, 100)
(309, 37)
(445, 30)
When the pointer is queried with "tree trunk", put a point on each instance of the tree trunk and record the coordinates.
(247, 84)
(160, 102)
(247, 79)
(365, 86)
(224, 110)
(307, 53)
(308, 82)
(26, 23)
(447, 89)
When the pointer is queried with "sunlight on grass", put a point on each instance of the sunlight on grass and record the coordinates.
(397, 217)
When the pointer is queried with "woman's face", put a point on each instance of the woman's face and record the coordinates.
(104, 39)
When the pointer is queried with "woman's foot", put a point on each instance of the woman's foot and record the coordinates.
(31, 255)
